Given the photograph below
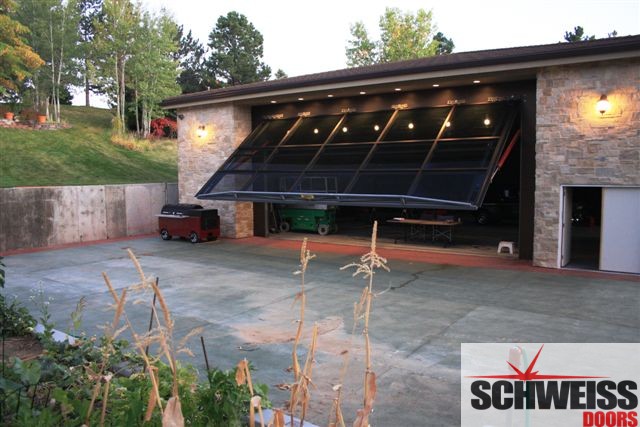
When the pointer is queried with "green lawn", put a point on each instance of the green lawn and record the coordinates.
(82, 154)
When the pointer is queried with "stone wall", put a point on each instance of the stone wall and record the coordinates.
(226, 126)
(35, 217)
(576, 145)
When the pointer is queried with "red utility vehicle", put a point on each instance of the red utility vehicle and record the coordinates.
(191, 222)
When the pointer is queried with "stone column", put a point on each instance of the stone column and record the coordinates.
(226, 125)
(575, 145)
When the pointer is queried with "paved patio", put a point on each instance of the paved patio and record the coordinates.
(242, 293)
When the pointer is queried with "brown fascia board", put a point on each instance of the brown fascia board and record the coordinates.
(442, 63)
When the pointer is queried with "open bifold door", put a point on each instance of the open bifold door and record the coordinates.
(439, 157)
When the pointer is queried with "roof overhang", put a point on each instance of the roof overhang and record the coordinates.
(495, 66)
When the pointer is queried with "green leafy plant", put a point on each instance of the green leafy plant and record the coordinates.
(16, 320)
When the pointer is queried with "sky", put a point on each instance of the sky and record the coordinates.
(304, 37)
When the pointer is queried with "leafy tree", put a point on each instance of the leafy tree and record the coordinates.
(445, 45)
(153, 70)
(577, 35)
(361, 50)
(114, 43)
(194, 76)
(280, 74)
(406, 36)
(54, 36)
(17, 58)
(236, 51)
(90, 12)
(402, 36)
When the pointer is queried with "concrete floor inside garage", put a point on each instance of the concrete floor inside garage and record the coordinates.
(242, 293)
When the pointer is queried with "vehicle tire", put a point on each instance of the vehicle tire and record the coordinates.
(193, 237)
(323, 229)
(164, 234)
(285, 226)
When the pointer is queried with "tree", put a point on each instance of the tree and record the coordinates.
(54, 36)
(153, 70)
(114, 43)
(406, 36)
(577, 35)
(280, 74)
(194, 76)
(402, 36)
(90, 12)
(445, 45)
(17, 59)
(361, 50)
(236, 51)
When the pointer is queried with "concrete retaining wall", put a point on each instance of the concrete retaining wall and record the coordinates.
(33, 217)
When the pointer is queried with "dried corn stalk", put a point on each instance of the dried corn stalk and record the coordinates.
(300, 395)
(369, 262)
(161, 335)
(243, 376)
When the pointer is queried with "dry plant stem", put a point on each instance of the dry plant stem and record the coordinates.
(137, 344)
(365, 332)
(163, 341)
(368, 263)
(110, 336)
(305, 257)
(105, 398)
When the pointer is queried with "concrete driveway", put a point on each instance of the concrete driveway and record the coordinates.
(243, 293)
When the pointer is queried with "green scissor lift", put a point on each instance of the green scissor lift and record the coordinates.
(322, 221)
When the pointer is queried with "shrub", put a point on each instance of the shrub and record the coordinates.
(29, 114)
(164, 127)
(16, 320)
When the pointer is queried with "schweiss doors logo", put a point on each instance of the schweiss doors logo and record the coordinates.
(531, 385)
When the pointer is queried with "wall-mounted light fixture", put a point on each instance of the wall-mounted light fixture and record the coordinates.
(181, 116)
(603, 105)
(201, 132)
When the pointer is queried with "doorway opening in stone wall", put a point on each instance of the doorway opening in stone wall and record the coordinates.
(600, 228)
(581, 227)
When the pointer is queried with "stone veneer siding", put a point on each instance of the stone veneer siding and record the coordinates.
(576, 146)
(227, 125)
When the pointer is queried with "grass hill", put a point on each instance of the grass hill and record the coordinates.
(82, 154)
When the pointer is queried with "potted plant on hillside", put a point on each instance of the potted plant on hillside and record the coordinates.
(7, 112)
(41, 118)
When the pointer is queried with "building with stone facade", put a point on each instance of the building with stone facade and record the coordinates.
(574, 162)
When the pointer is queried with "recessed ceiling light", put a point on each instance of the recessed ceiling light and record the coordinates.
(487, 121)
(436, 85)
(447, 124)
(273, 102)
(329, 96)
(363, 92)
(476, 81)
(315, 131)
(398, 89)
(345, 129)
(376, 128)
(410, 125)
(300, 99)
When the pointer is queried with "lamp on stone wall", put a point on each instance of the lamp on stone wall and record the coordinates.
(201, 132)
(603, 105)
